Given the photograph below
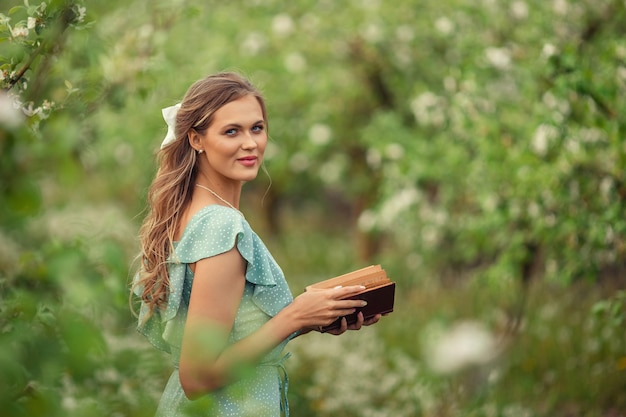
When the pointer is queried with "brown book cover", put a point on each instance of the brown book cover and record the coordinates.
(379, 292)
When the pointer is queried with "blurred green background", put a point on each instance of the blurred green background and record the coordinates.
(476, 149)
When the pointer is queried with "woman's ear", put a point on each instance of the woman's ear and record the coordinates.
(194, 139)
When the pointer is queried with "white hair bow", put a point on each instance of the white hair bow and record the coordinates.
(169, 114)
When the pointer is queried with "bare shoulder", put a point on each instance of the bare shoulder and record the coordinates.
(197, 203)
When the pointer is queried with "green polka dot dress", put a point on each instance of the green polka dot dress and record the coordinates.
(262, 391)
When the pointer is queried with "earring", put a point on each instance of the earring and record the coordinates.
(200, 151)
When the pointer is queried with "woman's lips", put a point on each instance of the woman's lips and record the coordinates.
(248, 161)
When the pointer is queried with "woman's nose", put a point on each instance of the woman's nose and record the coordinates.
(249, 141)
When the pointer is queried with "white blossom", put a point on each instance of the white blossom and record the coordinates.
(10, 115)
(444, 25)
(559, 107)
(295, 62)
(592, 135)
(372, 32)
(282, 24)
(467, 343)
(533, 210)
(69, 403)
(330, 172)
(81, 13)
(30, 110)
(519, 10)
(560, 7)
(253, 44)
(19, 32)
(373, 158)
(499, 58)
(489, 203)
(428, 109)
(606, 185)
(370, 4)
(394, 151)
(542, 137)
(450, 84)
(397, 204)
(572, 145)
(430, 235)
(299, 162)
(548, 50)
(320, 134)
(31, 23)
(367, 221)
(145, 32)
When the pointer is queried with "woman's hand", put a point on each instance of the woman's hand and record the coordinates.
(316, 307)
(355, 326)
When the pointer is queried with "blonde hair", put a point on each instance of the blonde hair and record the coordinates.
(171, 189)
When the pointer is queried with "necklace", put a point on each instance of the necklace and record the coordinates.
(221, 199)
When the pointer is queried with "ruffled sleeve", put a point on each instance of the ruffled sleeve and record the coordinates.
(212, 231)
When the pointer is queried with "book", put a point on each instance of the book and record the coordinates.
(379, 292)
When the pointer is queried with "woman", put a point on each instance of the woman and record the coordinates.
(212, 295)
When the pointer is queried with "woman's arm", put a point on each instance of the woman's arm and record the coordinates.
(206, 361)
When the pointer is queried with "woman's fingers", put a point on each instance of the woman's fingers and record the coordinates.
(373, 320)
(340, 312)
(359, 322)
(341, 329)
(344, 324)
(345, 307)
(343, 292)
(350, 304)
(330, 304)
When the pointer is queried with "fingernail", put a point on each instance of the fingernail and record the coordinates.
(363, 303)
(337, 287)
(362, 287)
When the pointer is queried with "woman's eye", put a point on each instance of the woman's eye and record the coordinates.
(231, 132)
(257, 128)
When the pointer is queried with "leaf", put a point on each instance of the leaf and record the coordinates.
(70, 89)
(27, 201)
(15, 9)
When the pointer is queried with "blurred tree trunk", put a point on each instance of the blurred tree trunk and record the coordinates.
(371, 68)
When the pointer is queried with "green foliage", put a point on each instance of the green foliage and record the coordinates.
(474, 148)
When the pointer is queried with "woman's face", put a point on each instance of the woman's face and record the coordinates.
(234, 143)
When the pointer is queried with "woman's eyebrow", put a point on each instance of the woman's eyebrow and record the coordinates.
(235, 124)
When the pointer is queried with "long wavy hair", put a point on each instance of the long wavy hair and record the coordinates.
(172, 187)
